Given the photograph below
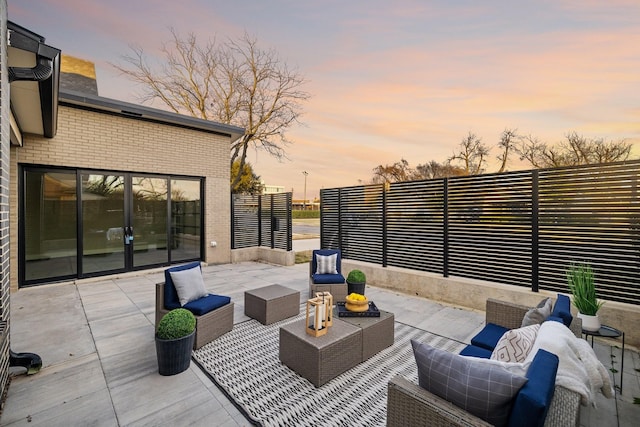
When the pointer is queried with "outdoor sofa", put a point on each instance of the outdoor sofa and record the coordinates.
(408, 404)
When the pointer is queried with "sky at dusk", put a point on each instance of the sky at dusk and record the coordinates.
(391, 80)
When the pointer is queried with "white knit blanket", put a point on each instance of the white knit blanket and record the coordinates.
(579, 369)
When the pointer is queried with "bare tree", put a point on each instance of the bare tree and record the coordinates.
(507, 142)
(433, 170)
(397, 172)
(472, 155)
(576, 150)
(235, 82)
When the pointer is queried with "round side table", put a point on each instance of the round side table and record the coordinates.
(608, 332)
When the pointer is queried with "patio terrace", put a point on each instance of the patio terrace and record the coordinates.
(95, 338)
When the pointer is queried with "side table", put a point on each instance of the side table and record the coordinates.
(608, 332)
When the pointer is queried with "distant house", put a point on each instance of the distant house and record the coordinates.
(93, 186)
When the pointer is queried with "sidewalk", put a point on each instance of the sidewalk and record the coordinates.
(99, 364)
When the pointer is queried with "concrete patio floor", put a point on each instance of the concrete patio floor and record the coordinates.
(95, 338)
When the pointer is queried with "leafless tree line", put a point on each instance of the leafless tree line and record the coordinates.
(472, 155)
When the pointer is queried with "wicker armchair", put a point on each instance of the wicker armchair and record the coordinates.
(408, 404)
(209, 326)
(332, 283)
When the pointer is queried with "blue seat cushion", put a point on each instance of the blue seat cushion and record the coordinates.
(324, 279)
(555, 319)
(489, 336)
(562, 309)
(206, 304)
(171, 300)
(532, 402)
(474, 351)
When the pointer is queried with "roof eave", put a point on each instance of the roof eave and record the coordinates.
(125, 109)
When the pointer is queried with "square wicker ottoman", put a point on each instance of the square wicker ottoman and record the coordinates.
(320, 359)
(271, 303)
(378, 333)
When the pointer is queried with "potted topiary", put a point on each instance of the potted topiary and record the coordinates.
(356, 282)
(580, 278)
(174, 340)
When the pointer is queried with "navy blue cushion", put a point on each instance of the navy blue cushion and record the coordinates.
(555, 319)
(323, 279)
(562, 309)
(489, 336)
(171, 300)
(206, 304)
(326, 252)
(532, 403)
(474, 351)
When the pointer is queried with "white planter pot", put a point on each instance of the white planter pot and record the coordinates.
(589, 323)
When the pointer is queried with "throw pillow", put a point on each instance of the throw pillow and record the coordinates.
(514, 346)
(189, 284)
(326, 264)
(484, 390)
(537, 315)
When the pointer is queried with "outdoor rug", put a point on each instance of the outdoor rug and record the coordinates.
(244, 363)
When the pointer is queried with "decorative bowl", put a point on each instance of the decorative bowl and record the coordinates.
(356, 302)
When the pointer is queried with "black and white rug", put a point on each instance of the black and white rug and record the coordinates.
(244, 363)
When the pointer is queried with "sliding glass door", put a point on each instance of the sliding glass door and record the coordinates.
(90, 223)
(103, 223)
(149, 221)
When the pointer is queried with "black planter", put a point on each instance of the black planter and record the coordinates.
(355, 287)
(174, 356)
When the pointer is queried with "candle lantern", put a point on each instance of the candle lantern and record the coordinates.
(317, 311)
(328, 298)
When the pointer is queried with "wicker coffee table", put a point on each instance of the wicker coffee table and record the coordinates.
(377, 332)
(271, 303)
(320, 359)
(350, 341)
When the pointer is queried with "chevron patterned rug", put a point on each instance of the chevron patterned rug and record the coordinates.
(244, 363)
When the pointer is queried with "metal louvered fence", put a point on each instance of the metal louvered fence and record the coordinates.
(261, 220)
(518, 228)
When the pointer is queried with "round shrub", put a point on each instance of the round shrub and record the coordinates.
(356, 276)
(176, 324)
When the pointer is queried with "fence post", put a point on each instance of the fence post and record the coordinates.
(445, 226)
(535, 206)
(385, 187)
(259, 220)
(340, 219)
(233, 222)
(289, 222)
(272, 221)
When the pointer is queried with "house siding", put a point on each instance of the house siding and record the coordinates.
(98, 140)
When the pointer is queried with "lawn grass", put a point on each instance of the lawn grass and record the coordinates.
(303, 257)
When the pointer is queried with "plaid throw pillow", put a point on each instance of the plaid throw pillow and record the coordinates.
(326, 264)
(484, 390)
(514, 346)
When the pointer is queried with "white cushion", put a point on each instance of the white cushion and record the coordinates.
(327, 264)
(188, 284)
(515, 345)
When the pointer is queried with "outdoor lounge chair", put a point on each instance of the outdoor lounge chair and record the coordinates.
(214, 313)
(408, 404)
(325, 274)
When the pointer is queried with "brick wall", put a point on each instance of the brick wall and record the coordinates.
(95, 140)
(4, 203)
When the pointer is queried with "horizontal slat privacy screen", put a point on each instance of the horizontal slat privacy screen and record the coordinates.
(261, 220)
(519, 228)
